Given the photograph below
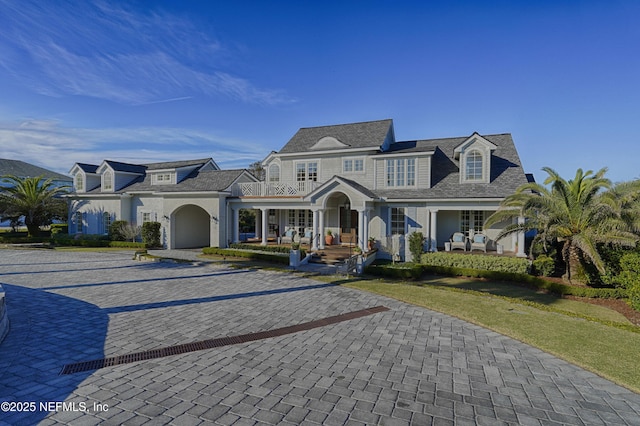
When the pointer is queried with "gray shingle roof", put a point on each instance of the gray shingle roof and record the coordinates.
(22, 169)
(369, 134)
(176, 164)
(197, 181)
(125, 167)
(88, 168)
(506, 171)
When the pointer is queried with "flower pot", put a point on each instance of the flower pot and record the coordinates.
(328, 239)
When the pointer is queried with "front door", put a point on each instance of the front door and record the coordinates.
(348, 226)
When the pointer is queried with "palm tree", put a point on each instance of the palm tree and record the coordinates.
(578, 213)
(35, 198)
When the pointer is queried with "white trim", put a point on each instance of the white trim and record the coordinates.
(404, 154)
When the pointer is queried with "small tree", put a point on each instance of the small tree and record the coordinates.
(115, 230)
(416, 244)
(151, 234)
(128, 230)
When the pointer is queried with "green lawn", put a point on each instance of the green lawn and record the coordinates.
(606, 345)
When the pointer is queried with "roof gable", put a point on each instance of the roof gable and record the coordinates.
(474, 140)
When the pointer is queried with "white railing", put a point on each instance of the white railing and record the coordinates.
(273, 189)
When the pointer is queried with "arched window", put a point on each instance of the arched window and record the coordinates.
(474, 165)
(274, 173)
(79, 182)
(107, 181)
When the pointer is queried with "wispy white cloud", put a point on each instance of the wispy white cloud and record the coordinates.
(109, 52)
(48, 144)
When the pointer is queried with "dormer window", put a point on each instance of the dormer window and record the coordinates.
(163, 178)
(79, 182)
(473, 166)
(107, 181)
(474, 155)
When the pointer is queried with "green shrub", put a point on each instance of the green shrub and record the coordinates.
(544, 265)
(59, 228)
(407, 271)
(115, 230)
(491, 263)
(416, 244)
(151, 234)
(253, 255)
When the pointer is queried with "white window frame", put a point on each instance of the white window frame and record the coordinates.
(307, 168)
(107, 180)
(273, 176)
(353, 165)
(79, 222)
(393, 222)
(472, 219)
(400, 172)
(164, 178)
(79, 182)
(106, 222)
(478, 162)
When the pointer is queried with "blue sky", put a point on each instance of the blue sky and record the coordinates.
(144, 81)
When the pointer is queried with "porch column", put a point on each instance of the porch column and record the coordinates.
(265, 226)
(236, 225)
(365, 230)
(321, 228)
(361, 229)
(258, 228)
(314, 235)
(433, 227)
(520, 252)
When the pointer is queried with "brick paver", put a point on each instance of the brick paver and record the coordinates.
(405, 366)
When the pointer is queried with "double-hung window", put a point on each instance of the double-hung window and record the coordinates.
(351, 165)
(401, 172)
(79, 182)
(107, 181)
(398, 221)
(474, 165)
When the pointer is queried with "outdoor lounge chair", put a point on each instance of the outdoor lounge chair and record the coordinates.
(307, 237)
(288, 236)
(479, 242)
(458, 241)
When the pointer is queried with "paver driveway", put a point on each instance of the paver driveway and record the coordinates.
(404, 366)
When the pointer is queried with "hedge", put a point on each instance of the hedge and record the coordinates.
(491, 263)
(413, 271)
(252, 255)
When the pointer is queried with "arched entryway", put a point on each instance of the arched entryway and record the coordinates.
(191, 227)
(346, 219)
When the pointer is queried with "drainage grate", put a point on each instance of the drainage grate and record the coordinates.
(215, 343)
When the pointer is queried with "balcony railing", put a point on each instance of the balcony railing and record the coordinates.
(273, 189)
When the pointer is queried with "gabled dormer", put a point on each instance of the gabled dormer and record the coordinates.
(85, 177)
(474, 156)
(170, 173)
(115, 175)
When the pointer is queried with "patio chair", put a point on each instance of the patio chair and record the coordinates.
(458, 241)
(288, 236)
(307, 237)
(479, 242)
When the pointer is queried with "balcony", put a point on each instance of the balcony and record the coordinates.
(273, 189)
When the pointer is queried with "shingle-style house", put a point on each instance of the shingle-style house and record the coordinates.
(354, 179)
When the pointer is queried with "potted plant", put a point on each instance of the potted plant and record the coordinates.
(294, 255)
(371, 243)
(328, 239)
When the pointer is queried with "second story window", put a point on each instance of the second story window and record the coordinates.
(107, 181)
(274, 173)
(307, 171)
(79, 182)
(351, 165)
(473, 168)
(401, 172)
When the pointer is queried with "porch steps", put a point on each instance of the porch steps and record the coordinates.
(331, 255)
